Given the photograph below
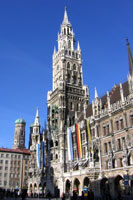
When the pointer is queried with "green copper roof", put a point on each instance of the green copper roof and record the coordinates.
(20, 121)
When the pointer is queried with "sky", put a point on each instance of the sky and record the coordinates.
(28, 33)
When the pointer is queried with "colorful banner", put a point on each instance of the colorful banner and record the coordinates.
(69, 144)
(38, 156)
(43, 153)
(89, 134)
(79, 141)
(88, 130)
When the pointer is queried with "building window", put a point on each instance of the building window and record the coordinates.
(121, 124)
(2, 155)
(7, 155)
(121, 164)
(6, 162)
(104, 131)
(117, 125)
(51, 156)
(68, 78)
(105, 148)
(0, 167)
(108, 129)
(71, 106)
(119, 144)
(131, 119)
(74, 67)
(74, 79)
(6, 168)
(106, 164)
(1, 161)
(110, 148)
(56, 156)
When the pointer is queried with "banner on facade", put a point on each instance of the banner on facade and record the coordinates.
(43, 153)
(38, 156)
(69, 144)
(79, 141)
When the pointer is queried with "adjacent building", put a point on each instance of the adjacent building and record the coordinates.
(14, 163)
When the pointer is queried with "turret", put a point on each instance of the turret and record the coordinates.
(130, 77)
(19, 135)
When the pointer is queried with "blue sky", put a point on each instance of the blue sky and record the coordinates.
(28, 33)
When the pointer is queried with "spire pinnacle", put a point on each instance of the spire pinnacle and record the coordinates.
(54, 50)
(65, 16)
(78, 47)
(130, 59)
(37, 117)
(96, 94)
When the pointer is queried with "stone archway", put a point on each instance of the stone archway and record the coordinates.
(44, 189)
(86, 182)
(76, 185)
(118, 185)
(35, 189)
(67, 187)
(104, 186)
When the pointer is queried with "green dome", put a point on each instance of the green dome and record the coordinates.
(20, 121)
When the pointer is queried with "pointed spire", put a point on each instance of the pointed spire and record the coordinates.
(96, 95)
(108, 101)
(130, 59)
(78, 47)
(122, 94)
(65, 20)
(54, 50)
(37, 118)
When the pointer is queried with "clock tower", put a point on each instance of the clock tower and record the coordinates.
(67, 99)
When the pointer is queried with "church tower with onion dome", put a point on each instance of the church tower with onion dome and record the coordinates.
(19, 135)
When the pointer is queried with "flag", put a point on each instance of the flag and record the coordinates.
(79, 141)
(89, 133)
(38, 155)
(69, 144)
(88, 130)
(43, 153)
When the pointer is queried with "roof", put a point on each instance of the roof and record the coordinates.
(20, 121)
(114, 97)
(21, 151)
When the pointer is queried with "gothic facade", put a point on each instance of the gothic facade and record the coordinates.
(104, 135)
(106, 164)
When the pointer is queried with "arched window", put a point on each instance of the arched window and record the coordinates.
(68, 65)
(131, 118)
(51, 143)
(74, 67)
(69, 44)
(56, 156)
(68, 78)
(68, 31)
(74, 79)
(56, 143)
(117, 124)
(51, 156)
(121, 123)
(64, 31)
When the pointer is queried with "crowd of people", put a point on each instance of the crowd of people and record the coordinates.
(13, 194)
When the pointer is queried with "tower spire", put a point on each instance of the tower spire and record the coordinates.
(37, 118)
(130, 59)
(65, 20)
(96, 95)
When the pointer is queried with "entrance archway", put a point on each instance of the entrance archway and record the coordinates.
(104, 186)
(86, 183)
(67, 187)
(118, 183)
(76, 185)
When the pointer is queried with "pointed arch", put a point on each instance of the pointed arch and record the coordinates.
(69, 44)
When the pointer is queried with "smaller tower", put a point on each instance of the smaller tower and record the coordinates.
(130, 77)
(19, 135)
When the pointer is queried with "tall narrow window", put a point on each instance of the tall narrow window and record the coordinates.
(69, 44)
(121, 123)
(117, 125)
(131, 119)
(119, 144)
(105, 148)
